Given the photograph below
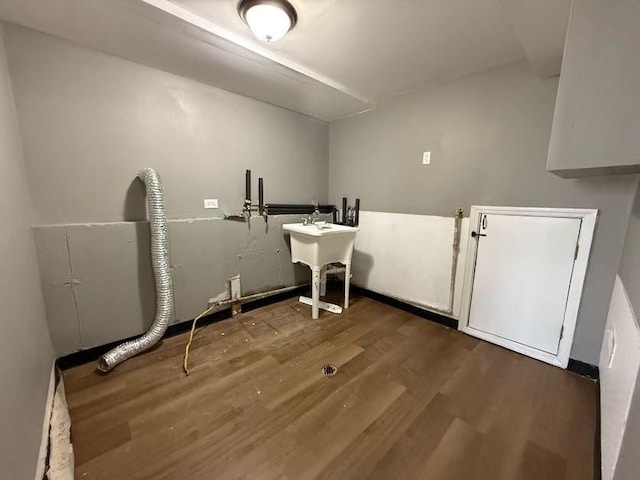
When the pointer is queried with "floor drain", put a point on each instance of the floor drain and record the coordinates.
(329, 370)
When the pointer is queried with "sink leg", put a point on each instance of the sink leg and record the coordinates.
(315, 292)
(323, 281)
(347, 280)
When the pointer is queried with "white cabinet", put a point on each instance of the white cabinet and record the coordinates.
(597, 115)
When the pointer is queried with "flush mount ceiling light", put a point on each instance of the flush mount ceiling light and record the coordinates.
(269, 20)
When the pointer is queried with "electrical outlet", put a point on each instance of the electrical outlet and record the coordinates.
(426, 158)
(210, 203)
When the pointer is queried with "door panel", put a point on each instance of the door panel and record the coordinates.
(522, 276)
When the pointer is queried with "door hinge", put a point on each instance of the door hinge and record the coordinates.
(575, 255)
(561, 332)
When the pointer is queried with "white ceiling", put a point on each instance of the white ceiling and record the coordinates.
(382, 48)
(541, 29)
(342, 57)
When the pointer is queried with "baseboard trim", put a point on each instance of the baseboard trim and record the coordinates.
(583, 369)
(92, 354)
(43, 453)
(407, 307)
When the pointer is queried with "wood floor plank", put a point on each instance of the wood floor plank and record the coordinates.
(320, 441)
(377, 439)
(541, 464)
(411, 400)
(98, 442)
(414, 447)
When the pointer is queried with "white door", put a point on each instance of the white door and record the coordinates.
(522, 277)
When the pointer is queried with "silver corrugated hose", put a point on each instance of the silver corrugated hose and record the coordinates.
(161, 272)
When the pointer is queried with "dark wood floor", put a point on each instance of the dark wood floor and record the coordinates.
(411, 400)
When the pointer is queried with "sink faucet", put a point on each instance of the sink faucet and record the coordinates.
(313, 217)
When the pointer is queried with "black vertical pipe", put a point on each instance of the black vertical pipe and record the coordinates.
(260, 195)
(247, 187)
(344, 210)
(357, 219)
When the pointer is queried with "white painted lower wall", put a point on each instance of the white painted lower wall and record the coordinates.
(619, 365)
(409, 257)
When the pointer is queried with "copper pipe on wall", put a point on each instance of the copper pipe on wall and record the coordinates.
(454, 265)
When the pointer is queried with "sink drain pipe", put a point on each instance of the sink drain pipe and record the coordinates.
(161, 272)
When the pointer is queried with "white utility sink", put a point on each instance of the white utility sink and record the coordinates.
(317, 245)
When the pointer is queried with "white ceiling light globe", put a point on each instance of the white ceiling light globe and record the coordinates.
(268, 22)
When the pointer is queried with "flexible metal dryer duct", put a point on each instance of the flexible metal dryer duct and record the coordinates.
(161, 272)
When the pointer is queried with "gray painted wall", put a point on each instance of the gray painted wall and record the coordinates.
(98, 282)
(489, 137)
(597, 116)
(630, 264)
(90, 121)
(26, 356)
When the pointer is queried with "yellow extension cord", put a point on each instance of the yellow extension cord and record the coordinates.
(185, 363)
